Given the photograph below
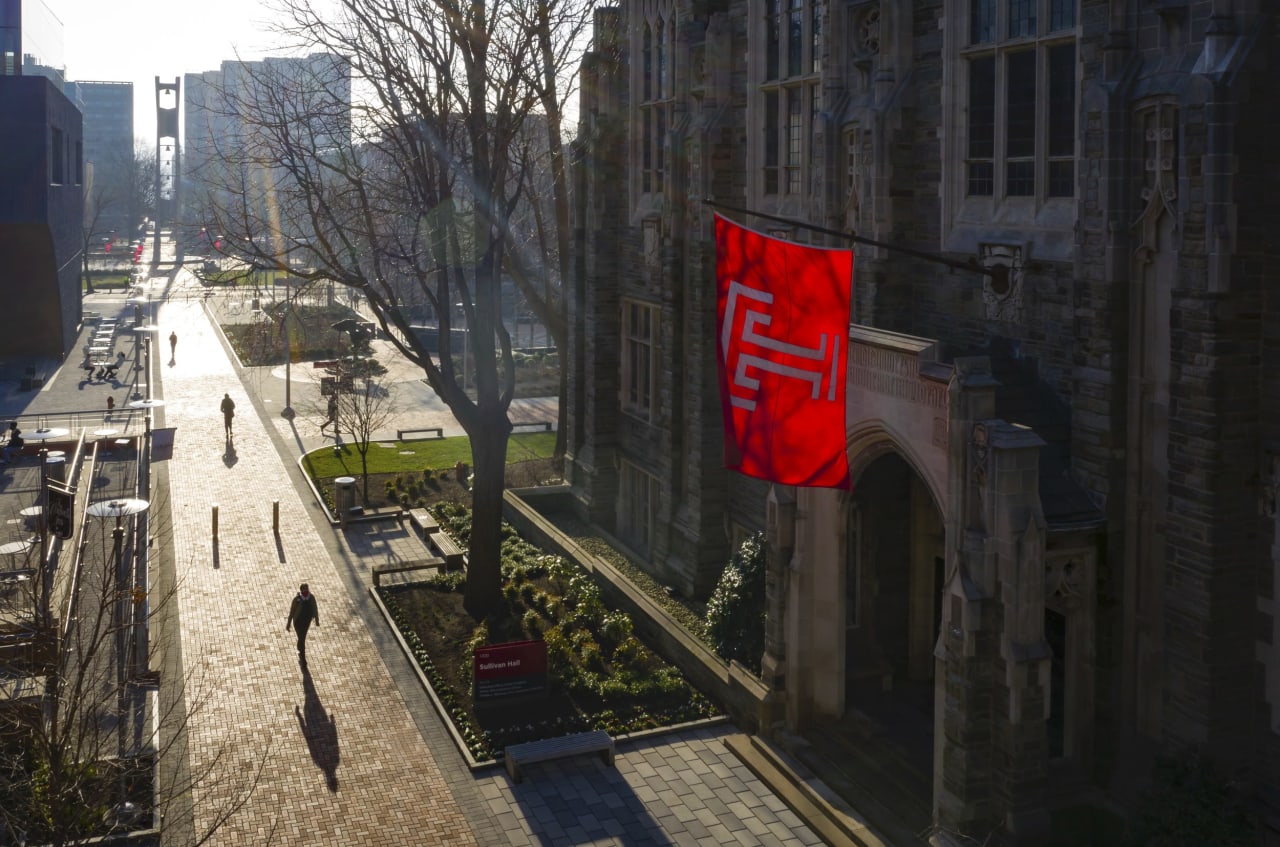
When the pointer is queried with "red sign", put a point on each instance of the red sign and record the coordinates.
(517, 668)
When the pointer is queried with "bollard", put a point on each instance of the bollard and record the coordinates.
(275, 516)
(215, 520)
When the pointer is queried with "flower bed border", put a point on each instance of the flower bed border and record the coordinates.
(481, 764)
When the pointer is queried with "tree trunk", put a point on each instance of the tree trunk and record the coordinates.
(489, 457)
(562, 431)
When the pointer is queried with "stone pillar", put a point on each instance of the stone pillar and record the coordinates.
(780, 520)
(1020, 686)
(962, 754)
(993, 672)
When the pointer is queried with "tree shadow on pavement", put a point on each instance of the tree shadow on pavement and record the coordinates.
(320, 729)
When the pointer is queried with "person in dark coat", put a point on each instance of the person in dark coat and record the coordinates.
(303, 612)
(228, 412)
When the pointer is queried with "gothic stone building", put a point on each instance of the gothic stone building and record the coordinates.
(1062, 551)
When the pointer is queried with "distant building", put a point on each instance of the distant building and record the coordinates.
(1061, 556)
(109, 155)
(218, 125)
(41, 190)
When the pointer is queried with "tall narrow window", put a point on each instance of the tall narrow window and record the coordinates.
(57, 158)
(771, 145)
(790, 92)
(1020, 124)
(795, 39)
(815, 37)
(795, 141)
(773, 41)
(1062, 120)
(982, 126)
(982, 21)
(637, 504)
(655, 92)
(660, 62)
(639, 357)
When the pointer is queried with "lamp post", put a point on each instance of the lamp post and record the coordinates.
(124, 620)
(287, 411)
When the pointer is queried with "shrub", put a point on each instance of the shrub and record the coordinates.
(1190, 803)
(531, 623)
(735, 613)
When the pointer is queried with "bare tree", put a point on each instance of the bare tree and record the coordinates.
(416, 184)
(118, 193)
(98, 200)
(361, 409)
(78, 757)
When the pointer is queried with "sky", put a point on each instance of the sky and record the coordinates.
(138, 40)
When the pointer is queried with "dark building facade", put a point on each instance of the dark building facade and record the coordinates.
(1062, 550)
(41, 208)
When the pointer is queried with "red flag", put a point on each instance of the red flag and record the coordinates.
(783, 331)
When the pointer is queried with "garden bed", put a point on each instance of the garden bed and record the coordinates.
(600, 675)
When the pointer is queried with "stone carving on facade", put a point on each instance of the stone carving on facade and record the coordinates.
(1002, 296)
(1159, 155)
(868, 29)
(979, 455)
(856, 159)
(864, 44)
(1062, 580)
(652, 244)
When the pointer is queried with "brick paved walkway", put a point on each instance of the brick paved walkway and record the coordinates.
(342, 761)
(351, 753)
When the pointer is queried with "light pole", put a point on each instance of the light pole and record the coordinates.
(287, 412)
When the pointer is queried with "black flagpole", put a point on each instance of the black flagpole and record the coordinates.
(996, 272)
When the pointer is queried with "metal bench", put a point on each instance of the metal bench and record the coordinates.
(448, 549)
(438, 433)
(518, 755)
(380, 572)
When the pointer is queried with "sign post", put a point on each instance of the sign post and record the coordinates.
(61, 510)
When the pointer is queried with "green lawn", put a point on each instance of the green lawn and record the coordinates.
(432, 454)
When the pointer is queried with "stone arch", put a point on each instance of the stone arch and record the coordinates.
(874, 438)
(892, 546)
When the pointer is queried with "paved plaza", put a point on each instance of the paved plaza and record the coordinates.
(349, 751)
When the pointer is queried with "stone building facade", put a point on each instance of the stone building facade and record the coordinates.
(1064, 537)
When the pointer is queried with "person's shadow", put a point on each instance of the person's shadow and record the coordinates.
(320, 729)
(229, 458)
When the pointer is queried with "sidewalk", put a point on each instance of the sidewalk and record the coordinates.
(345, 764)
(353, 753)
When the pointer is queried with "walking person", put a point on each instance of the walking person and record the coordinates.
(228, 412)
(303, 612)
(173, 346)
(332, 419)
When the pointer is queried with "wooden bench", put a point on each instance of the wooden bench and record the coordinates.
(447, 548)
(424, 523)
(401, 433)
(432, 564)
(536, 426)
(518, 755)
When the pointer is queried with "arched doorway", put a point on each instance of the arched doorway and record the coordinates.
(894, 565)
